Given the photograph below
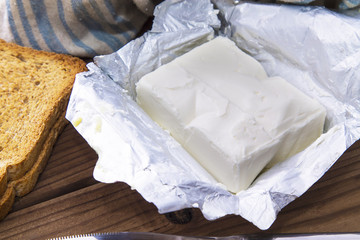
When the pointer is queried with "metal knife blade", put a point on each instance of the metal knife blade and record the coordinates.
(158, 236)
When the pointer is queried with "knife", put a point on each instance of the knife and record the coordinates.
(159, 236)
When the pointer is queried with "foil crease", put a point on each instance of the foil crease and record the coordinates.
(290, 41)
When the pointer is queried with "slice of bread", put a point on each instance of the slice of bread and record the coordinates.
(34, 90)
(25, 184)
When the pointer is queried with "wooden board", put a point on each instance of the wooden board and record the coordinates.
(67, 201)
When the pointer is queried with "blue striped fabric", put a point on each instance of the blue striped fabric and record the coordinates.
(82, 28)
(75, 40)
(45, 28)
(12, 25)
(26, 24)
(349, 4)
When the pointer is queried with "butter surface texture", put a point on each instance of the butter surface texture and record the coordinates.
(219, 103)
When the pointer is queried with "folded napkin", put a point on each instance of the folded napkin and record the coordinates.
(349, 4)
(82, 28)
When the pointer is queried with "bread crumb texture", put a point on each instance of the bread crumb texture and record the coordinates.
(34, 89)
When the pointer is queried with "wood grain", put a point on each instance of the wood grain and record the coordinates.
(67, 201)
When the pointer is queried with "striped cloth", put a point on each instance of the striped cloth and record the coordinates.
(349, 4)
(83, 28)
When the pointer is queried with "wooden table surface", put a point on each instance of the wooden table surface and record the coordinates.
(67, 201)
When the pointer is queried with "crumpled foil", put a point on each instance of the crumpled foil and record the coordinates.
(313, 48)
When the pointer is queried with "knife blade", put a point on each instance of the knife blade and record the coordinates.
(159, 236)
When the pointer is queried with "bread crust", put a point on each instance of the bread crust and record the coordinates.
(6, 202)
(3, 181)
(25, 184)
(34, 90)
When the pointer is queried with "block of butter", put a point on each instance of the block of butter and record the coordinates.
(221, 106)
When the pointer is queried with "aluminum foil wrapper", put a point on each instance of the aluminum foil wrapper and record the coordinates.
(293, 42)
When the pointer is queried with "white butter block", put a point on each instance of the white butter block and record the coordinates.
(219, 103)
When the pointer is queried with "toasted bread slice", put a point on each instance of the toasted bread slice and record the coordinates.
(25, 184)
(34, 90)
